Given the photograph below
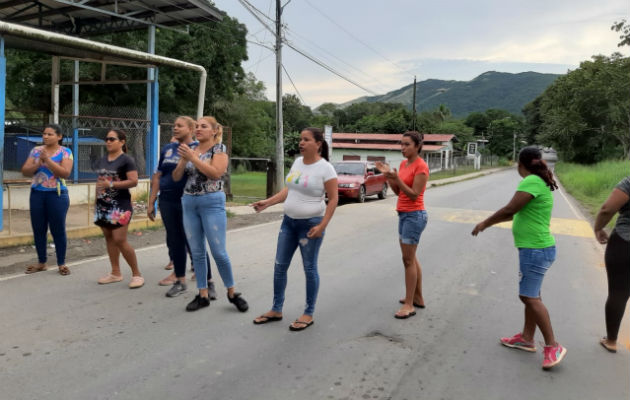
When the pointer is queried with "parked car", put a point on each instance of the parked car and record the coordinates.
(358, 179)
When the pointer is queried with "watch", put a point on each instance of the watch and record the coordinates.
(111, 184)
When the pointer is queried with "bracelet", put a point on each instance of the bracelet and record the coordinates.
(111, 184)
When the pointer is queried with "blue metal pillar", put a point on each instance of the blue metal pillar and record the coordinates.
(75, 123)
(3, 87)
(154, 127)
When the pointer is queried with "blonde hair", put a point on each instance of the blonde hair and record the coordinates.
(218, 138)
(188, 121)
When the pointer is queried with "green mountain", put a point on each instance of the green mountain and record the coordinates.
(491, 89)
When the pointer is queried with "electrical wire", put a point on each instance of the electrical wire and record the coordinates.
(330, 69)
(380, 84)
(354, 37)
(294, 87)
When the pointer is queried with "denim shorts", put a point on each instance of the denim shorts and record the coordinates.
(410, 226)
(533, 264)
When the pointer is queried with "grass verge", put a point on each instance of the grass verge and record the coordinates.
(591, 184)
(249, 186)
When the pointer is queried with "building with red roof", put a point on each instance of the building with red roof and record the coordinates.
(437, 149)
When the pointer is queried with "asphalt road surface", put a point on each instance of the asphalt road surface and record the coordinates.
(69, 338)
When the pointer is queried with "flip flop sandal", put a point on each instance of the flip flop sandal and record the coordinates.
(405, 316)
(63, 270)
(31, 269)
(414, 304)
(267, 318)
(608, 347)
(300, 328)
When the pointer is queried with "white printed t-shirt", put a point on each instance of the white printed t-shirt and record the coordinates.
(306, 188)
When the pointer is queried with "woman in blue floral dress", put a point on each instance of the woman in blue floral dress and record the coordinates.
(49, 164)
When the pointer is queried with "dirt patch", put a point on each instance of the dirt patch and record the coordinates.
(16, 259)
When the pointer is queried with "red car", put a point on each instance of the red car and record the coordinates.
(358, 179)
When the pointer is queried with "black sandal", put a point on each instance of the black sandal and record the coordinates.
(239, 302)
(303, 325)
(267, 318)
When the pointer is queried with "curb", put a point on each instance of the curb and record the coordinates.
(75, 233)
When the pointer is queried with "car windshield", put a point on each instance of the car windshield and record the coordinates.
(349, 168)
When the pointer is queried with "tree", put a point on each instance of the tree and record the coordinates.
(624, 27)
(219, 47)
(585, 114)
(251, 118)
(502, 134)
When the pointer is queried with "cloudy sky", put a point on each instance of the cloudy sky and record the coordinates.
(381, 45)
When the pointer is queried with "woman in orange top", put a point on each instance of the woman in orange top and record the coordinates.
(409, 183)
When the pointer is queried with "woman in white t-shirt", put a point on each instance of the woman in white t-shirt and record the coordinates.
(306, 216)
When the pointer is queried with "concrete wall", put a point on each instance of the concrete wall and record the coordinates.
(78, 194)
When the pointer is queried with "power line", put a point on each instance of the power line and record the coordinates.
(247, 6)
(330, 69)
(257, 10)
(354, 37)
(290, 31)
(294, 87)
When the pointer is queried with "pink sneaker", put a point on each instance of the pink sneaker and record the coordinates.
(553, 355)
(517, 342)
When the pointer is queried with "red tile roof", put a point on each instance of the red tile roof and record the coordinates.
(380, 146)
(392, 137)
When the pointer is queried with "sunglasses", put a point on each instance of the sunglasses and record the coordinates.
(111, 139)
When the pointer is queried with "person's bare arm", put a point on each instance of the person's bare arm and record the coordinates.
(279, 197)
(332, 192)
(506, 213)
(610, 207)
(155, 188)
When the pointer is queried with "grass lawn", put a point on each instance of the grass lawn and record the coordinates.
(249, 186)
(591, 184)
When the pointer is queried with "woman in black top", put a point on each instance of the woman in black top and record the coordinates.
(117, 173)
(617, 258)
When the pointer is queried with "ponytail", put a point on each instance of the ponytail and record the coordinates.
(318, 136)
(531, 159)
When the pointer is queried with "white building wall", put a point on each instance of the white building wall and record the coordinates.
(393, 157)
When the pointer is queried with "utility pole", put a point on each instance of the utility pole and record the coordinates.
(414, 104)
(279, 179)
(514, 148)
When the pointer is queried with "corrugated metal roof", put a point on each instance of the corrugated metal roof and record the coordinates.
(105, 16)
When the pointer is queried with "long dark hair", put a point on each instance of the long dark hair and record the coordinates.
(417, 138)
(58, 130)
(121, 136)
(530, 158)
(318, 135)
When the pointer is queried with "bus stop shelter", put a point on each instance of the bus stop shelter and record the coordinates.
(54, 27)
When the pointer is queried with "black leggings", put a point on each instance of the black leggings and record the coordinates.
(618, 272)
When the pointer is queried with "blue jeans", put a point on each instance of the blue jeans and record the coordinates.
(293, 233)
(533, 264)
(173, 220)
(49, 209)
(205, 218)
(411, 224)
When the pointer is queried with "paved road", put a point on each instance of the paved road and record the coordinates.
(68, 338)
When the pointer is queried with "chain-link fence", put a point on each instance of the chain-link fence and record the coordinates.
(23, 131)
